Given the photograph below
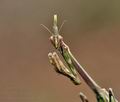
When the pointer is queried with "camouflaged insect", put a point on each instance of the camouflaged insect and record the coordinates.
(73, 66)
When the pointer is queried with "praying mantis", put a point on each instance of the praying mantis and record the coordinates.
(73, 66)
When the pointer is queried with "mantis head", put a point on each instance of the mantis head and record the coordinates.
(55, 38)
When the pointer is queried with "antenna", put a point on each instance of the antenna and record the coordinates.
(62, 24)
(46, 28)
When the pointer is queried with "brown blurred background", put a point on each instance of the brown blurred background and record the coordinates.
(92, 31)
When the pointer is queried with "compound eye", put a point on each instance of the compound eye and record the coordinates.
(51, 38)
(60, 38)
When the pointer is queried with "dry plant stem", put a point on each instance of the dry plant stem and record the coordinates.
(83, 97)
(79, 68)
(111, 96)
(101, 93)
